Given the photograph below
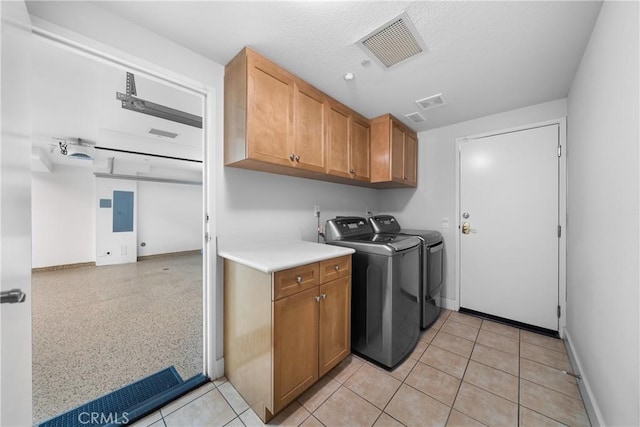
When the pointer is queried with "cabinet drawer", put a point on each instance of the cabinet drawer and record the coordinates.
(294, 280)
(335, 268)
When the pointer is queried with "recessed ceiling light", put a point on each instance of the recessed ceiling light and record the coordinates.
(349, 76)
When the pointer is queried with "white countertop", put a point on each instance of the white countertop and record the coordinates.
(276, 256)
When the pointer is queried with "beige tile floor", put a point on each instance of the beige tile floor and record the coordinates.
(465, 371)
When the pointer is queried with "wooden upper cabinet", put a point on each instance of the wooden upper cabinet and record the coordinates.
(276, 122)
(348, 143)
(310, 127)
(394, 153)
(411, 160)
(360, 148)
(270, 95)
(397, 152)
(272, 118)
(338, 140)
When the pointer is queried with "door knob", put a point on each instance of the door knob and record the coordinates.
(466, 228)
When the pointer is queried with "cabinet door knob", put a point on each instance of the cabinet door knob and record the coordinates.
(297, 158)
(291, 157)
(298, 279)
(317, 298)
(337, 267)
(324, 296)
(352, 171)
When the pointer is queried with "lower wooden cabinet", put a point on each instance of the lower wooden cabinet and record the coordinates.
(278, 343)
(295, 346)
(334, 324)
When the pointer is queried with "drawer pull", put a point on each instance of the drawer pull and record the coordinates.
(298, 279)
(337, 267)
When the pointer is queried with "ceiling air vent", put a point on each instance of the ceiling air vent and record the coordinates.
(164, 133)
(415, 117)
(431, 102)
(393, 42)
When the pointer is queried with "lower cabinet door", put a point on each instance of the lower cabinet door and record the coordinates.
(295, 345)
(335, 323)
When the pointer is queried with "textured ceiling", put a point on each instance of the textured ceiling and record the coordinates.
(485, 57)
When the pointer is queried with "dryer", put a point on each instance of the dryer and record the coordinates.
(385, 290)
(432, 251)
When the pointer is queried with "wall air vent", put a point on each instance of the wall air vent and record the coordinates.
(415, 117)
(393, 42)
(160, 132)
(431, 102)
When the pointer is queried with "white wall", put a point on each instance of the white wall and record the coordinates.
(259, 202)
(169, 218)
(63, 217)
(603, 216)
(434, 198)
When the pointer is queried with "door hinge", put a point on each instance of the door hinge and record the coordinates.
(559, 150)
(559, 312)
(559, 231)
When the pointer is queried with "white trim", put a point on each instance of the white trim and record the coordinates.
(562, 212)
(593, 410)
(116, 58)
(449, 304)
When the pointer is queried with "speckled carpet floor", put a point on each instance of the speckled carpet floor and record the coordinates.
(96, 329)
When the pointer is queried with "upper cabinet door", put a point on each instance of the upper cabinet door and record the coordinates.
(338, 141)
(397, 153)
(360, 149)
(310, 128)
(270, 94)
(411, 160)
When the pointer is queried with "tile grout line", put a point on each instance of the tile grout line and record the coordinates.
(408, 385)
(462, 380)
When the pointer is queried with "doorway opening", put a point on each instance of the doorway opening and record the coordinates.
(118, 223)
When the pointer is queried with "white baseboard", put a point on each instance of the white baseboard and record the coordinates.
(595, 416)
(216, 369)
(449, 304)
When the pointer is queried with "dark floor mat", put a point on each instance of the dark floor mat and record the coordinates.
(113, 408)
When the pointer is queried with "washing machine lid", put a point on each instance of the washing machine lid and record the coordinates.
(430, 237)
(397, 242)
(369, 245)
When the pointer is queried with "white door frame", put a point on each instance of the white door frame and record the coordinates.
(562, 211)
(151, 71)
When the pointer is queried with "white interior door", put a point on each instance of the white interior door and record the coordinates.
(509, 225)
(15, 216)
